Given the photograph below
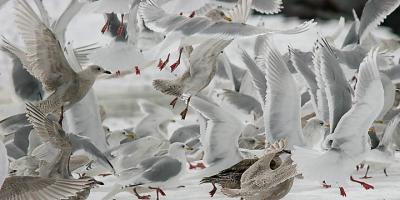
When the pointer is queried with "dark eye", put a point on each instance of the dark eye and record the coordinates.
(183, 146)
(321, 123)
(98, 69)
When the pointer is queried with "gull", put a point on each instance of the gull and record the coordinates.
(50, 131)
(155, 121)
(184, 31)
(161, 171)
(338, 90)
(199, 75)
(245, 103)
(270, 177)
(374, 13)
(189, 135)
(221, 136)
(382, 156)
(282, 104)
(117, 137)
(54, 72)
(129, 155)
(124, 53)
(30, 188)
(230, 178)
(347, 144)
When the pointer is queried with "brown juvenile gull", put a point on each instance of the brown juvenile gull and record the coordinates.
(45, 60)
(269, 178)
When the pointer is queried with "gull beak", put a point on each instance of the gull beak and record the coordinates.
(107, 72)
(188, 148)
(227, 18)
(131, 135)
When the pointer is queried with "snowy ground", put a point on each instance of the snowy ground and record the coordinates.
(386, 188)
(119, 96)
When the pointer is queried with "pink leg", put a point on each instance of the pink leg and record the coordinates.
(365, 185)
(214, 190)
(106, 26)
(184, 112)
(176, 64)
(162, 64)
(120, 30)
(173, 102)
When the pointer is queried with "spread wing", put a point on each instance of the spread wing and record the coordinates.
(27, 187)
(47, 129)
(282, 105)
(46, 60)
(375, 11)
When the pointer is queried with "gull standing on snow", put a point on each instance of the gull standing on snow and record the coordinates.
(46, 61)
(157, 172)
(348, 143)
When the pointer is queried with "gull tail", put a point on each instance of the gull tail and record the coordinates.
(168, 87)
(231, 192)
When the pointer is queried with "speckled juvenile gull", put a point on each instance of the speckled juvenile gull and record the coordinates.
(54, 72)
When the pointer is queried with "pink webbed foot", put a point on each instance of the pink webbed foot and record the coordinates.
(137, 70)
(106, 26)
(162, 64)
(342, 192)
(364, 184)
(176, 64)
(144, 197)
(213, 191)
(200, 165)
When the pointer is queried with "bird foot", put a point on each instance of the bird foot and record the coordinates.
(162, 64)
(121, 30)
(213, 191)
(192, 14)
(191, 166)
(118, 73)
(137, 70)
(200, 165)
(144, 197)
(364, 184)
(324, 185)
(106, 26)
(176, 64)
(342, 192)
(184, 113)
(173, 102)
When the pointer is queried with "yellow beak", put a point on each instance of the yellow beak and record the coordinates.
(227, 18)
(131, 135)
(189, 148)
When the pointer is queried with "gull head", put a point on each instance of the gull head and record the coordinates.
(97, 70)
(178, 150)
(217, 15)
